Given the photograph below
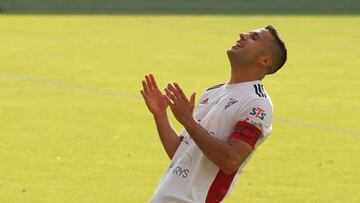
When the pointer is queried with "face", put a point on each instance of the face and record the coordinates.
(249, 48)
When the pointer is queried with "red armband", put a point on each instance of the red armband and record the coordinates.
(246, 132)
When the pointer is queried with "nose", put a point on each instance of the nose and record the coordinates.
(242, 36)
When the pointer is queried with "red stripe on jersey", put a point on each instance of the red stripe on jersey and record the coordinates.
(246, 132)
(219, 187)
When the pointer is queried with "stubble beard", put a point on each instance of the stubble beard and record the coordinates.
(234, 59)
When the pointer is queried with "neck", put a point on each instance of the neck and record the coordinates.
(244, 72)
(240, 74)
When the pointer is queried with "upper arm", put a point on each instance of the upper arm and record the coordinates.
(242, 142)
(258, 113)
(241, 151)
(253, 124)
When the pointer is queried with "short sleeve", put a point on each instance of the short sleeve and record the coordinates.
(259, 113)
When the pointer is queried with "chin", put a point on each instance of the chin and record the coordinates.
(230, 52)
(233, 55)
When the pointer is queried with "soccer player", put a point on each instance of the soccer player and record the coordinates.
(230, 122)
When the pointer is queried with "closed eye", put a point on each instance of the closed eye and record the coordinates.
(254, 36)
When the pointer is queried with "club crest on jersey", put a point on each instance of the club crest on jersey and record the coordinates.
(231, 102)
(205, 101)
(258, 112)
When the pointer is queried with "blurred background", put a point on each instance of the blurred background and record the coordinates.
(74, 128)
(183, 6)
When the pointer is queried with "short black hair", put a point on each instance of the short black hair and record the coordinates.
(282, 48)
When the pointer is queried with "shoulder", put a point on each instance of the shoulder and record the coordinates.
(259, 90)
(215, 87)
(257, 97)
(261, 102)
(260, 98)
(256, 94)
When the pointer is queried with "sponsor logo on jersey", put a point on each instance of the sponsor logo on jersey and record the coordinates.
(205, 101)
(231, 102)
(181, 168)
(257, 124)
(258, 112)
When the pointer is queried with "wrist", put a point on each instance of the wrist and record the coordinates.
(160, 115)
(189, 123)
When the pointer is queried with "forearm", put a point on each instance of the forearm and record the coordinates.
(219, 152)
(168, 136)
(229, 155)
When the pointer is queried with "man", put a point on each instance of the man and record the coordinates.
(230, 122)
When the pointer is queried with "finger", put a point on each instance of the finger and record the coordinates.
(145, 87)
(174, 91)
(168, 100)
(178, 88)
(142, 93)
(153, 81)
(144, 96)
(170, 95)
(192, 99)
(148, 82)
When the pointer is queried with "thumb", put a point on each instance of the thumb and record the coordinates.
(192, 98)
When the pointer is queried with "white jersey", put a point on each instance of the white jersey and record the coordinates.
(191, 176)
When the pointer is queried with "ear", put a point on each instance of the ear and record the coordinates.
(266, 61)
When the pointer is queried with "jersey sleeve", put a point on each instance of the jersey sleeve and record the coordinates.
(258, 113)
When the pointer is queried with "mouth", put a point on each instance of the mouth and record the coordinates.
(239, 44)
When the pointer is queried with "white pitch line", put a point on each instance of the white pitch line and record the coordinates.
(61, 84)
(317, 126)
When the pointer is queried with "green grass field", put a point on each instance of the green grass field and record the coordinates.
(73, 126)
